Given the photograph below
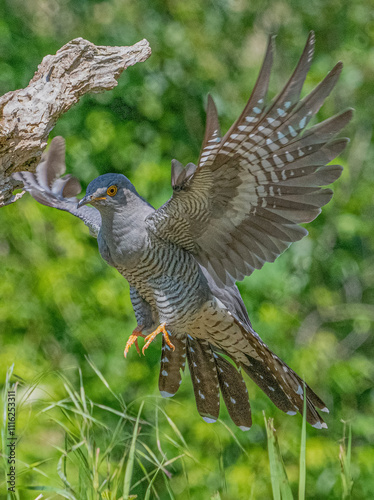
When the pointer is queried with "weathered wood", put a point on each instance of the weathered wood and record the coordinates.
(28, 115)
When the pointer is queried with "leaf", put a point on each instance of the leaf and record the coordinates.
(278, 475)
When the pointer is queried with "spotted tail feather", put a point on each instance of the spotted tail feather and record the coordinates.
(234, 392)
(202, 365)
(210, 374)
(172, 364)
(283, 386)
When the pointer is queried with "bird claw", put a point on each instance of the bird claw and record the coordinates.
(133, 339)
(160, 329)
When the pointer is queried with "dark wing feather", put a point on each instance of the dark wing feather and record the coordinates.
(212, 136)
(241, 206)
(48, 187)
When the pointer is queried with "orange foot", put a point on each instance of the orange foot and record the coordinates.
(133, 339)
(150, 337)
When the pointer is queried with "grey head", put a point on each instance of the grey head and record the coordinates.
(109, 191)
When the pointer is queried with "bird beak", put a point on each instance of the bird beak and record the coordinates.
(89, 199)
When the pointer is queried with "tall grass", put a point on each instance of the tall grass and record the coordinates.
(101, 448)
(278, 475)
(106, 452)
(345, 462)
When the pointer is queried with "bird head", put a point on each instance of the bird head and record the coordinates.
(108, 191)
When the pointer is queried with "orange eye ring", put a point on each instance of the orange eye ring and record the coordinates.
(112, 190)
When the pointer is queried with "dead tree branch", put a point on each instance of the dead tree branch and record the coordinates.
(28, 115)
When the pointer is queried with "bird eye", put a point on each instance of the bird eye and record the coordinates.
(111, 190)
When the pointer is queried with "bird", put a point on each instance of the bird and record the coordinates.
(240, 206)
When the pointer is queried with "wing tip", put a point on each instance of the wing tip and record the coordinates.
(212, 128)
(346, 115)
(176, 170)
(311, 37)
(271, 43)
(71, 187)
(58, 140)
(336, 70)
(210, 101)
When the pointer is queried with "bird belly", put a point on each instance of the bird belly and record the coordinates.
(171, 281)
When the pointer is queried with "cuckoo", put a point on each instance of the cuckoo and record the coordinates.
(240, 206)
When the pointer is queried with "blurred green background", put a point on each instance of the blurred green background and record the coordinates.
(314, 306)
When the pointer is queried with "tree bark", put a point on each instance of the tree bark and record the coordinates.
(28, 115)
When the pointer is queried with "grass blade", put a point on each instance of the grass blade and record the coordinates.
(278, 475)
(345, 462)
(302, 462)
(272, 458)
(130, 462)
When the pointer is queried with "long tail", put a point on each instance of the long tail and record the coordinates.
(210, 374)
(279, 382)
(244, 346)
(284, 387)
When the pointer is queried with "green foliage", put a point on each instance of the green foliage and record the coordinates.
(302, 462)
(106, 452)
(278, 475)
(279, 481)
(59, 302)
(345, 461)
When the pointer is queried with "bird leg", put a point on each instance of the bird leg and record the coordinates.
(150, 337)
(133, 339)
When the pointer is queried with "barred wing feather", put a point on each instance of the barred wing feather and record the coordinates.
(241, 205)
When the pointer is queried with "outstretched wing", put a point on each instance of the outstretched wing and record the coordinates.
(242, 204)
(48, 187)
